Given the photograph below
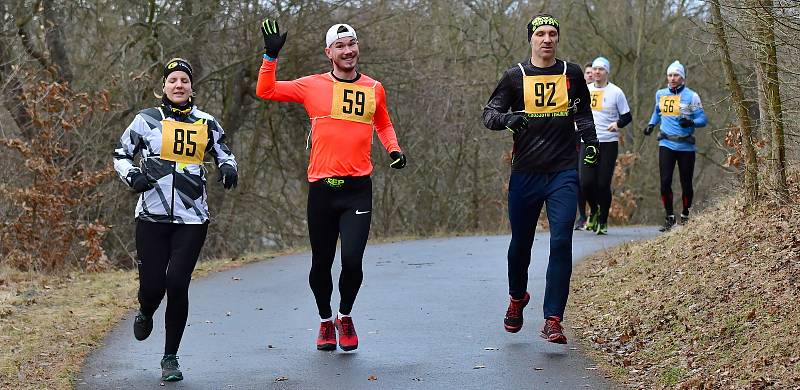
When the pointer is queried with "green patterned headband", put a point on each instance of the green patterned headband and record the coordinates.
(544, 20)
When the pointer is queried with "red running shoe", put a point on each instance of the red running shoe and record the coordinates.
(513, 320)
(326, 340)
(553, 331)
(348, 340)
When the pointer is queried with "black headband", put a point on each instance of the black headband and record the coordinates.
(178, 64)
(541, 20)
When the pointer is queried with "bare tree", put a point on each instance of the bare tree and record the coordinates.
(737, 97)
(765, 55)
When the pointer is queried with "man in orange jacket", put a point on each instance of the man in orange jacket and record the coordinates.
(344, 106)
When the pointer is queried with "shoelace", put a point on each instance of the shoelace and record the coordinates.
(326, 332)
(171, 363)
(554, 326)
(348, 328)
(514, 308)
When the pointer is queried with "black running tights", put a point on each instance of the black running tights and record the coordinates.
(167, 255)
(596, 181)
(338, 207)
(666, 164)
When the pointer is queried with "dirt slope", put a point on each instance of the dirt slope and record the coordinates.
(714, 304)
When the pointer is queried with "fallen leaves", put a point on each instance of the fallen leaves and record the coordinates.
(710, 305)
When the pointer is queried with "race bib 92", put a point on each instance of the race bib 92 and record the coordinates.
(183, 142)
(353, 102)
(670, 105)
(545, 94)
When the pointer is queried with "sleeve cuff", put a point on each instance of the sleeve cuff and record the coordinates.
(268, 58)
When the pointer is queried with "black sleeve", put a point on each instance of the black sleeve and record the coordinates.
(624, 120)
(583, 111)
(496, 111)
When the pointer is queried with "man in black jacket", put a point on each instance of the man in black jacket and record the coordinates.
(542, 101)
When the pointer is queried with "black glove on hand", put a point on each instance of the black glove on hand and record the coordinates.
(273, 40)
(140, 183)
(516, 122)
(649, 129)
(398, 160)
(228, 176)
(686, 122)
(591, 154)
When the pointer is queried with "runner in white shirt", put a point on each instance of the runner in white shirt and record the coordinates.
(611, 113)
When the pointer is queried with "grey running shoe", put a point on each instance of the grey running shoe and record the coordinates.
(669, 222)
(169, 369)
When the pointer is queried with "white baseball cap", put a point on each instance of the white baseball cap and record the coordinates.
(337, 31)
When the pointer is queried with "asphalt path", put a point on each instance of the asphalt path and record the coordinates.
(429, 315)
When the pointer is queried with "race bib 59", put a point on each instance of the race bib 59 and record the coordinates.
(353, 102)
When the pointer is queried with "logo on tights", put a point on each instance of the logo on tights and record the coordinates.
(336, 183)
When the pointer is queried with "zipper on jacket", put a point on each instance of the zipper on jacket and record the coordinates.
(172, 206)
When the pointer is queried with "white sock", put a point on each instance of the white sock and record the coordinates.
(343, 315)
(326, 319)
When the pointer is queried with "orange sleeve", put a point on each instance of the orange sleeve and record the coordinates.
(283, 91)
(383, 125)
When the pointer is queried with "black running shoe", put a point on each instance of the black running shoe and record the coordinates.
(142, 326)
(684, 219)
(169, 369)
(669, 222)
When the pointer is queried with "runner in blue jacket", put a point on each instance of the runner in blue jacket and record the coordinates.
(680, 112)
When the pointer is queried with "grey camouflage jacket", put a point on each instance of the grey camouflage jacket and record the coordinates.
(179, 192)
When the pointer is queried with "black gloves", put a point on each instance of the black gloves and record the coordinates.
(686, 122)
(273, 40)
(591, 154)
(649, 129)
(398, 160)
(139, 182)
(228, 176)
(516, 122)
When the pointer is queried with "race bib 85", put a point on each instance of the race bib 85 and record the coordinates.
(670, 105)
(353, 102)
(183, 142)
(545, 94)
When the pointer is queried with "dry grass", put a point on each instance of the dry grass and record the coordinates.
(49, 324)
(709, 306)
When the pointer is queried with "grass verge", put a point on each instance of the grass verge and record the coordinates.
(48, 324)
(712, 305)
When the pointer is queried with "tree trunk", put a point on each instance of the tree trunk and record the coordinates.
(54, 39)
(737, 97)
(767, 64)
(12, 90)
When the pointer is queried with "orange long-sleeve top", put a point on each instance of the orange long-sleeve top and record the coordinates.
(339, 147)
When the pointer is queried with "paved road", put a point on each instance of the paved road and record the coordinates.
(429, 316)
